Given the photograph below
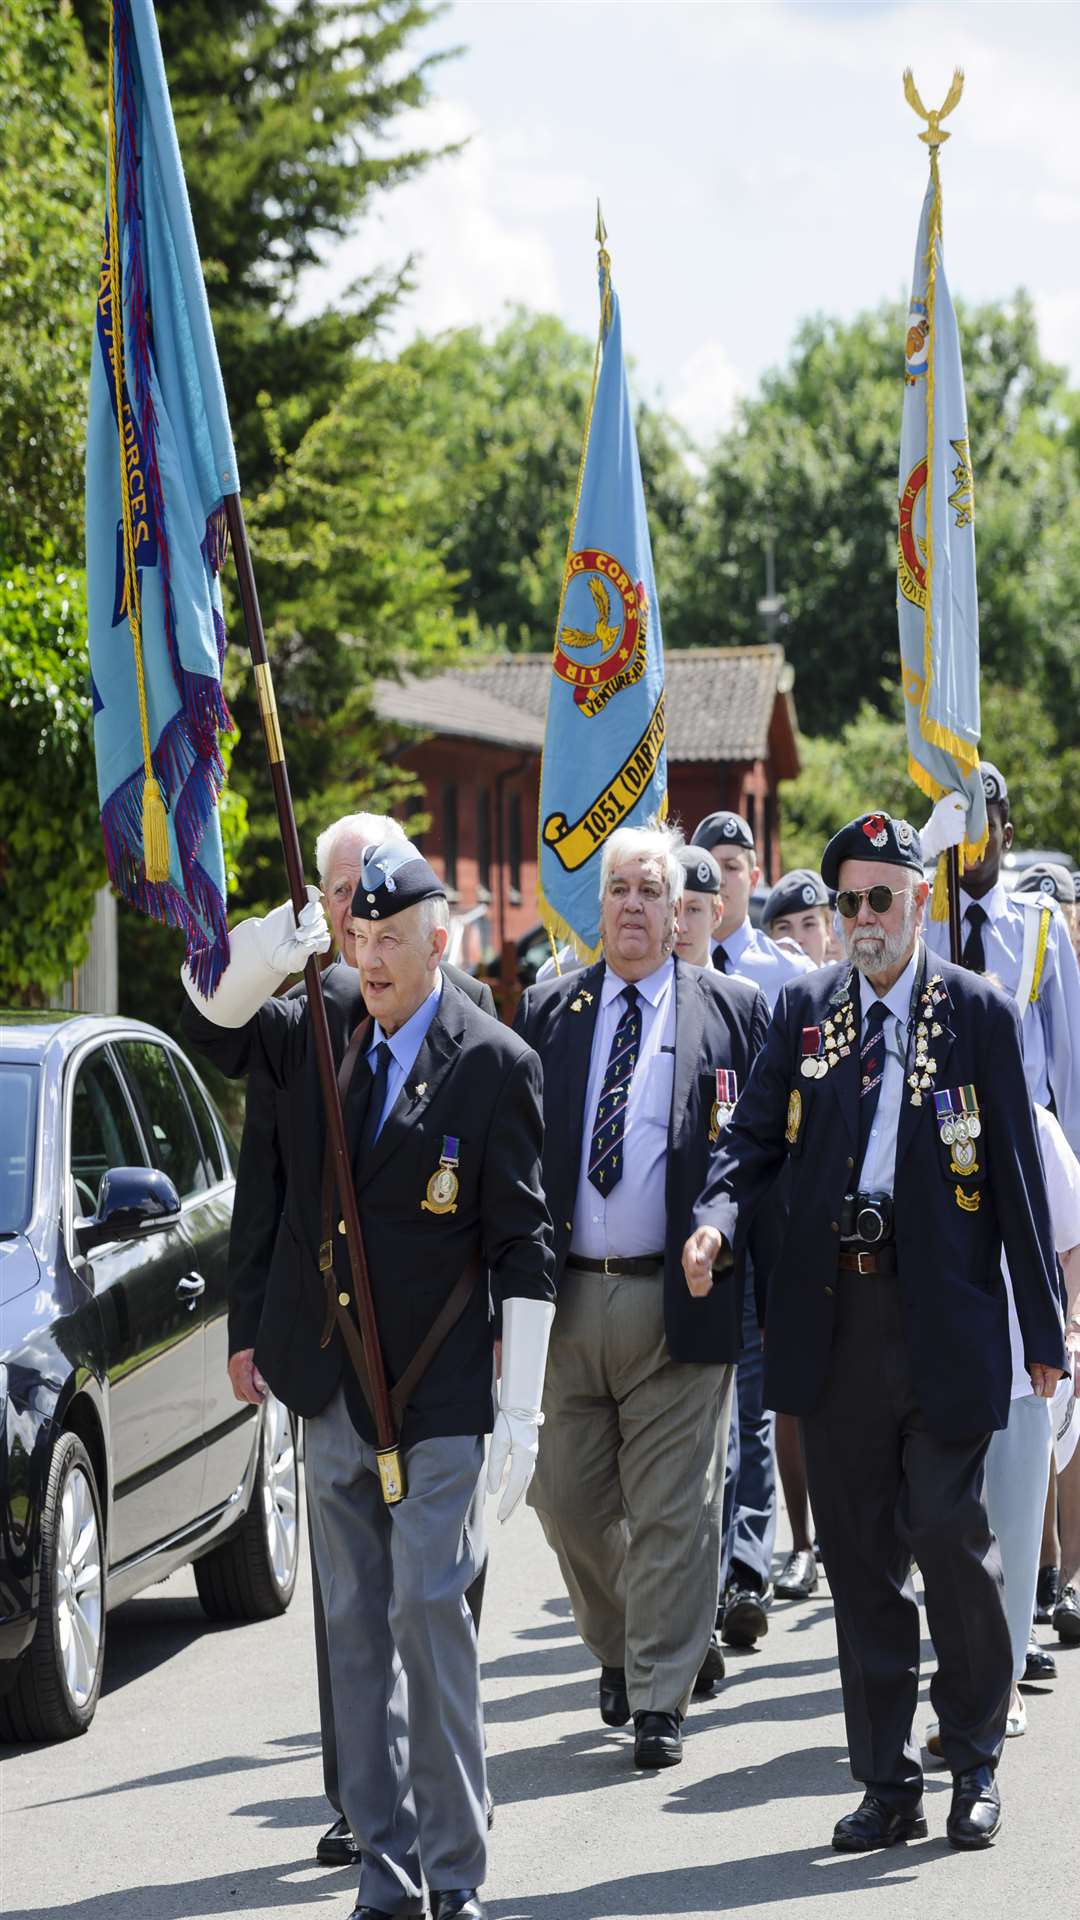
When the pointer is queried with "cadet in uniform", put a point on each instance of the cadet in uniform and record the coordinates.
(894, 1088)
(799, 909)
(1020, 940)
(443, 1114)
(701, 907)
(750, 1490)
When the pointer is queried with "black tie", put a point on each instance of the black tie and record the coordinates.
(720, 960)
(974, 954)
(871, 1068)
(376, 1102)
(609, 1122)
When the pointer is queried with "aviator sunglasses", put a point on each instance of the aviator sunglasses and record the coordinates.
(880, 900)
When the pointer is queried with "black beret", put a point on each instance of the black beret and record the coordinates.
(700, 871)
(793, 893)
(723, 830)
(1076, 886)
(393, 876)
(993, 782)
(873, 836)
(1050, 878)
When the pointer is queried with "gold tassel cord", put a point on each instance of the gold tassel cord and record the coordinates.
(155, 827)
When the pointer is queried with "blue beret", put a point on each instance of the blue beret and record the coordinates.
(993, 782)
(723, 830)
(393, 876)
(873, 836)
(700, 871)
(794, 893)
(1052, 880)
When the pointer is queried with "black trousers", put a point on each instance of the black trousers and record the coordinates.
(886, 1491)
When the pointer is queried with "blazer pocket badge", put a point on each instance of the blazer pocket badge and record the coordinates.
(443, 1187)
(969, 1202)
(727, 1092)
(794, 1116)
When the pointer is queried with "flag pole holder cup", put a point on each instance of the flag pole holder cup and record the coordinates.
(391, 1474)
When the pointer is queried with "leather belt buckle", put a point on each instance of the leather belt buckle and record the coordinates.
(871, 1262)
(326, 1256)
(610, 1272)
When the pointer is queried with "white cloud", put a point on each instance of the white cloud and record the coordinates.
(1059, 327)
(703, 392)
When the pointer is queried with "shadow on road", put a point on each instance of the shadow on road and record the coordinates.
(258, 1890)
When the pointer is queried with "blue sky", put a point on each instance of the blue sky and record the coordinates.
(756, 162)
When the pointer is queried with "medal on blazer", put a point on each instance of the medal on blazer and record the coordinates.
(927, 1028)
(443, 1187)
(813, 1064)
(959, 1126)
(727, 1092)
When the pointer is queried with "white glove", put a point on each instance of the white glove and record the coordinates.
(261, 954)
(945, 828)
(526, 1332)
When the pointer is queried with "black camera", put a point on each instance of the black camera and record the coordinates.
(867, 1217)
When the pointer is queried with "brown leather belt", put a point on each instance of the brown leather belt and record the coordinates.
(634, 1267)
(880, 1260)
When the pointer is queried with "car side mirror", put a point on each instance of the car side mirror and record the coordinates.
(130, 1200)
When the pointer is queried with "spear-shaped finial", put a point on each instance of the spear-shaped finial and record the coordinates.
(934, 136)
(601, 230)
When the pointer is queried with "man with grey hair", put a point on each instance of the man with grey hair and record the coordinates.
(892, 1090)
(643, 1058)
(261, 1179)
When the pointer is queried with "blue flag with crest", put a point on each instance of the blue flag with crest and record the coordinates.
(604, 763)
(937, 597)
(159, 461)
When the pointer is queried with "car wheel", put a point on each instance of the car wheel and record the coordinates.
(253, 1575)
(56, 1688)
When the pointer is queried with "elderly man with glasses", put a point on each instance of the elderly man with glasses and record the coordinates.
(894, 1087)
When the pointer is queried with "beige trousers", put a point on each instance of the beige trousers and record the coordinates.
(629, 1484)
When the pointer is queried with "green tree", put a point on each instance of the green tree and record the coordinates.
(50, 188)
(812, 461)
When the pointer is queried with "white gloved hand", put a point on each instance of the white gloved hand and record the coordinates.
(526, 1332)
(945, 828)
(261, 954)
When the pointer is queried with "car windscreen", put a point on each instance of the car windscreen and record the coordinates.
(18, 1132)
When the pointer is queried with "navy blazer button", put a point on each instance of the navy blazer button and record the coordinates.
(343, 1299)
(835, 1225)
(569, 1226)
(830, 1291)
(851, 1163)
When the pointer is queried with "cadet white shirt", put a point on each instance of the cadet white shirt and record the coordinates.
(878, 1170)
(632, 1219)
(752, 954)
(1063, 1190)
(1050, 1027)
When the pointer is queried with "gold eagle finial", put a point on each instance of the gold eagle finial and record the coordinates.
(934, 134)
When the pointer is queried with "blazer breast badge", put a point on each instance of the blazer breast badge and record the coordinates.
(443, 1187)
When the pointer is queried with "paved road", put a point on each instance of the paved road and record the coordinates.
(197, 1793)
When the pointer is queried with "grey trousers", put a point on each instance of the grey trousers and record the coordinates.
(404, 1672)
(885, 1491)
(629, 1484)
(1017, 1475)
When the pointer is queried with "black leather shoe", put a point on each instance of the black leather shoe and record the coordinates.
(372, 1913)
(1046, 1594)
(614, 1704)
(1039, 1663)
(1065, 1618)
(975, 1814)
(337, 1848)
(657, 1740)
(710, 1671)
(457, 1903)
(745, 1617)
(875, 1824)
(798, 1577)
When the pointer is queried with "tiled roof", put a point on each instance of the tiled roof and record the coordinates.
(720, 701)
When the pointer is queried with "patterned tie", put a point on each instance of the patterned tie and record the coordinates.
(974, 954)
(606, 1144)
(871, 1068)
(376, 1102)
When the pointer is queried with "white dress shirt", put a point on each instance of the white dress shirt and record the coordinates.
(632, 1219)
(878, 1170)
(752, 954)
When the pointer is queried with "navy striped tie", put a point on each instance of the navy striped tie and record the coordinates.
(871, 1068)
(606, 1144)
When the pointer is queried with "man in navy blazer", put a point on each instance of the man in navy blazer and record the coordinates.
(643, 1057)
(894, 1088)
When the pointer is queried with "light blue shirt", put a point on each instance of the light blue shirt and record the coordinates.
(878, 1169)
(632, 1219)
(752, 954)
(404, 1046)
(1050, 1028)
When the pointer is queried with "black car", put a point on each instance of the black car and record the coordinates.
(123, 1453)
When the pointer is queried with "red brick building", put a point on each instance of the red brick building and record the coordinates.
(474, 736)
